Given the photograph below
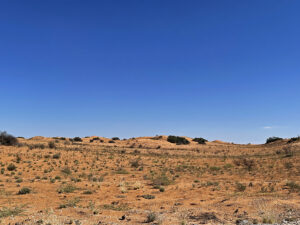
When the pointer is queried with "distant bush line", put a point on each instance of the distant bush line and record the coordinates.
(272, 139)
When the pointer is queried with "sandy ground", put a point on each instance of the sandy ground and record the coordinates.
(148, 180)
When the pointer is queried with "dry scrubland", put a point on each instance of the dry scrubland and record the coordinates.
(147, 180)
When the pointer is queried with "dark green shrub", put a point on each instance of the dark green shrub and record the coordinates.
(56, 156)
(272, 139)
(135, 163)
(51, 144)
(115, 138)
(161, 189)
(201, 141)
(178, 140)
(11, 167)
(78, 139)
(240, 187)
(24, 191)
(7, 139)
(148, 196)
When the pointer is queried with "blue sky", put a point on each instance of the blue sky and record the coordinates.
(226, 70)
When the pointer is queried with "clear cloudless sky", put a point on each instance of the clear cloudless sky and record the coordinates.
(227, 70)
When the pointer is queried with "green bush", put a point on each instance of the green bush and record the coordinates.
(51, 144)
(7, 139)
(200, 140)
(56, 156)
(78, 139)
(178, 140)
(24, 191)
(148, 196)
(240, 187)
(11, 167)
(272, 139)
(115, 138)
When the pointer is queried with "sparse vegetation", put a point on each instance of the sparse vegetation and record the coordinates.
(294, 139)
(15, 211)
(75, 175)
(151, 217)
(69, 188)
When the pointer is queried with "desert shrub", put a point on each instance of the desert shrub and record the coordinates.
(7, 139)
(157, 137)
(24, 191)
(177, 140)
(240, 187)
(249, 164)
(115, 138)
(200, 140)
(161, 180)
(111, 141)
(78, 139)
(6, 212)
(51, 144)
(66, 171)
(121, 171)
(148, 196)
(11, 167)
(56, 156)
(151, 217)
(40, 146)
(69, 188)
(294, 187)
(70, 203)
(135, 163)
(288, 152)
(294, 139)
(272, 139)
(19, 180)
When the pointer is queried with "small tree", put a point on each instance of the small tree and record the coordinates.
(77, 139)
(200, 140)
(7, 139)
